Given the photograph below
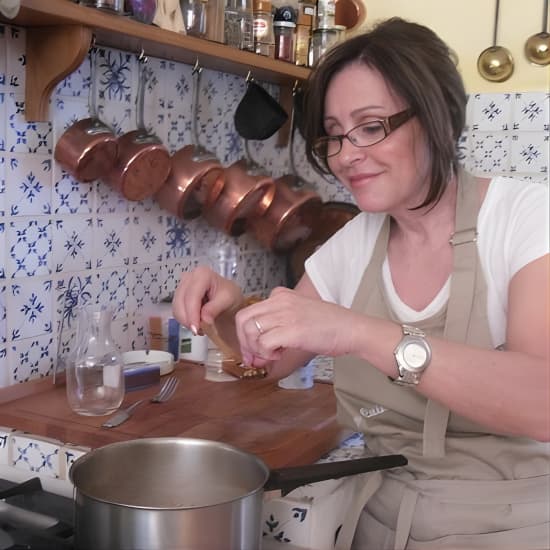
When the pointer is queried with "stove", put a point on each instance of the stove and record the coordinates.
(32, 518)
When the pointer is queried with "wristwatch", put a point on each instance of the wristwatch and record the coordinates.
(412, 355)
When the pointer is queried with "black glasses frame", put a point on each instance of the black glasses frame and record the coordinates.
(389, 123)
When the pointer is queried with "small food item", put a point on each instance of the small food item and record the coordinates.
(237, 369)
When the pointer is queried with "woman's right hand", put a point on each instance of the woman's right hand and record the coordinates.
(201, 295)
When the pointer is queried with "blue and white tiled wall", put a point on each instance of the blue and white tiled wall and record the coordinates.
(63, 243)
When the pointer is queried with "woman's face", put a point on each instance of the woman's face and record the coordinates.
(386, 177)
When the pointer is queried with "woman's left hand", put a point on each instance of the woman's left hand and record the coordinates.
(290, 320)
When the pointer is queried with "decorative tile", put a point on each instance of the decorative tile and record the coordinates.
(31, 358)
(113, 289)
(146, 288)
(3, 123)
(23, 136)
(38, 455)
(29, 305)
(3, 324)
(70, 196)
(177, 238)
(72, 239)
(3, 252)
(111, 246)
(68, 454)
(4, 444)
(253, 273)
(109, 201)
(15, 59)
(491, 112)
(29, 191)
(30, 245)
(530, 152)
(531, 111)
(76, 84)
(147, 243)
(491, 152)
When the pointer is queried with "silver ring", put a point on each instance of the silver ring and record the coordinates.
(258, 326)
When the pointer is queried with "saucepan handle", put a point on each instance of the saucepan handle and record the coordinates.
(287, 479)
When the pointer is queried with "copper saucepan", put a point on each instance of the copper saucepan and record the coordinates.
(197, 177)
(88, 148)
(143, 163)
(286, 221)
(247, 191)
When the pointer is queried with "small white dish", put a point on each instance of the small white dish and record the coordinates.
(163, 358)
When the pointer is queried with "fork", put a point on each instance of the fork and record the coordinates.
(166, 392)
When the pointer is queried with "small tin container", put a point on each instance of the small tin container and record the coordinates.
(115, 6)
(284, 40)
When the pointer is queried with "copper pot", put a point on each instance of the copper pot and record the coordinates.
(246, 193)
(287, 220)
(191, 185)
(197, 177)
(143, 163)
(88, 148)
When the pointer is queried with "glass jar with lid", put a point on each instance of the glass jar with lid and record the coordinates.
(284, 40)
(322, 40)
(264, 37)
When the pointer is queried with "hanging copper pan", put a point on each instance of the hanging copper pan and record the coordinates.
(88, 148)
(197, 177)
(247, 192)
(286, 221)
(143, 163)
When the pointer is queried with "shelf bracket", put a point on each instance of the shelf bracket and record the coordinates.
(52, 54)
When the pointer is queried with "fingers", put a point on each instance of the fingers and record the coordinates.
(202, 295)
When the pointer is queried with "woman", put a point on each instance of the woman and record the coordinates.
(434, 302)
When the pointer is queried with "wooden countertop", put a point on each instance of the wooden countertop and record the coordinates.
(282, 427)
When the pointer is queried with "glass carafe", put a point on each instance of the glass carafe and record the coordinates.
(95, 378)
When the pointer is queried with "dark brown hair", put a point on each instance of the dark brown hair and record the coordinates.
(418, 67)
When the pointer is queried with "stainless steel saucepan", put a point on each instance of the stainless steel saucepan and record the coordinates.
(182, 493)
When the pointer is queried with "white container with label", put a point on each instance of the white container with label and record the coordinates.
(192, 347)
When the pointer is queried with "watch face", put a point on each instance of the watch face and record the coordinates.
(415, 355)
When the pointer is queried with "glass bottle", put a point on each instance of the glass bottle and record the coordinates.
(194, 14)
(246, 16)
(95, 378)
(264, 37)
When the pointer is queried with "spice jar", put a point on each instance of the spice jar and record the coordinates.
(264, 37)
(116, 6)
(284, 40)
(322, 39)
(304, 23)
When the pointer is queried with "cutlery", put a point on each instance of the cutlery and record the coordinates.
(166, 392)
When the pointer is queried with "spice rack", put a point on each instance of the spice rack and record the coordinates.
(59, 34)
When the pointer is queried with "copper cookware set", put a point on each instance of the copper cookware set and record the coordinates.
(193, 182)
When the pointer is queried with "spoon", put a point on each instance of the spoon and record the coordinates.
(495, 63)
(537, 47)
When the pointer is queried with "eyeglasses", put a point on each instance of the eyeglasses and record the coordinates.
(364, 135)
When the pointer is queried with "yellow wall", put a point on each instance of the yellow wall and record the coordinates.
(467, 26)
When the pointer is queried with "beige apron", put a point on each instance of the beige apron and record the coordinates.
(463, 487)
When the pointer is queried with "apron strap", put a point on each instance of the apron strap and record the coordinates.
(404, 519)
(362, 493)
(461, 300)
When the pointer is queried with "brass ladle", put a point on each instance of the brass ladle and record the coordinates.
(537, 47)
(495, 63)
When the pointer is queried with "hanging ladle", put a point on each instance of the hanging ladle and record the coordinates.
(495, 63)
(537, 47)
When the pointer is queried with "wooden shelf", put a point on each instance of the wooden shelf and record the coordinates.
(59, 33)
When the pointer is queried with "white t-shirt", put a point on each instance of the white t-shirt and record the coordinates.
(513, 230)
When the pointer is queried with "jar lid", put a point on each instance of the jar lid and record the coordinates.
(288, 24)
(262, 5)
